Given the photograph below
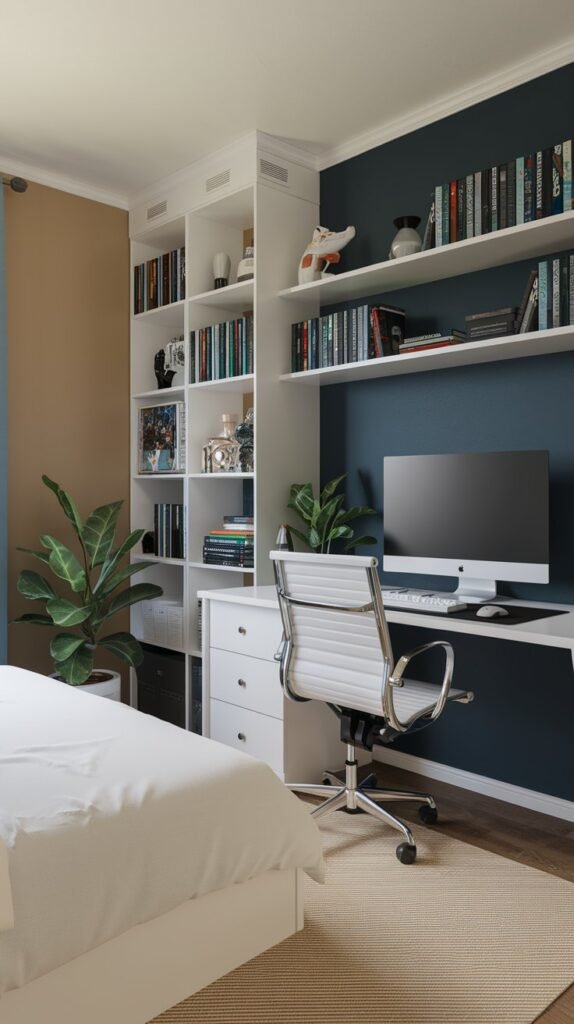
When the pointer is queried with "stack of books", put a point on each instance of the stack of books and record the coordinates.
(556, 292)
(233, 545)
(350, 336)
(429, 341)
(493, 323)
(159, 281)
(161, 438)
(222, 350)
(169, 530)
(525, 189)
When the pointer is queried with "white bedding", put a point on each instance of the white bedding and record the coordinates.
(111, 818)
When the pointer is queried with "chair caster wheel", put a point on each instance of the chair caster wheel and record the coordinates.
(406, 853)
(428, 815)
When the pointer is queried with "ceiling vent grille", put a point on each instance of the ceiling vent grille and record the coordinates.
(274, 171)
(218, 180)
(157, 210)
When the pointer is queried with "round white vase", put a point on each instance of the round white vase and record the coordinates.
(407, 240)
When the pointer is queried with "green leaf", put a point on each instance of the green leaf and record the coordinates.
(76, 669)
(63, 645)
(302, 536)
(331, 487)
(99, 532)
(301, 499)
(34, 587)
(125, 646)
(140, 592)
(64, 613)
(315, 540)
(67, 503)
(38, 620)
(41, 555)
(111, 563)
(360, 540)
(124, 574)
(354, 513)
(327, 515)
(64, 563)
(339, 531)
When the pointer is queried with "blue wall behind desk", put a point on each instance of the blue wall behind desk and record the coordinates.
(519, 729)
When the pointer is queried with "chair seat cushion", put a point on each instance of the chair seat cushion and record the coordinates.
(416, 699)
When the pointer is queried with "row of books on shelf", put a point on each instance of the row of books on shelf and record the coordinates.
(349, 336)
(222, 350)
(161, 438)
(525, 189)
(169, 530)
(159, 281)
(554, 281)
(232, 545)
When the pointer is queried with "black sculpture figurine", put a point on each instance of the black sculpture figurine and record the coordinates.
(244, 434)
(164, 377)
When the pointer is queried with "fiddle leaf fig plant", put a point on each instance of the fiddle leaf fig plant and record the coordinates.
(324, 517)
(94, 577)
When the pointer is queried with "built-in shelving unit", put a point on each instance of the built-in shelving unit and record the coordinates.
(489, 350)
(280, 212)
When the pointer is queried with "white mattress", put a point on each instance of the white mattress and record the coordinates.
(110, 818)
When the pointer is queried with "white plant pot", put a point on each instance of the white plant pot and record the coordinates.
(110, 686)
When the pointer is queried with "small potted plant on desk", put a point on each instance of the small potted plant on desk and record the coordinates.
(326, 521)
(94, 580)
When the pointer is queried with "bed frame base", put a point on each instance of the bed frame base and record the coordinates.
(155, 965)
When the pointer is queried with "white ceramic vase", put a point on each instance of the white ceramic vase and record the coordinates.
(221, 268)
(407, 240)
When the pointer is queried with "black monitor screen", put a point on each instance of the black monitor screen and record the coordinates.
(490, 506)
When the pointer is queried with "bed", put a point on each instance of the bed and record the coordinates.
(138, 862)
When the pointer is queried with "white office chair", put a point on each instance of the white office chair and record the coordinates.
(336, 648)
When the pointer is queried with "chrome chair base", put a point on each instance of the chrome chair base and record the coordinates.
(356, 796)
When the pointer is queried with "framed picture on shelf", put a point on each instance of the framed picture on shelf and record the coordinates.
(161, 438)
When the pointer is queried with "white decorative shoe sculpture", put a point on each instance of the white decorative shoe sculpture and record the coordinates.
(323, 249)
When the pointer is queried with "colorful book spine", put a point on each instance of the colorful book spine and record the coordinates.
(469, 199)
(438, 215)
(556, 292)
(511, 194)
(494, 199)
(539, 185)
(543, 295)
(567, 175)
(520, 190)
(502, 197)
(557, 178)
(477, 203)
(529, 188)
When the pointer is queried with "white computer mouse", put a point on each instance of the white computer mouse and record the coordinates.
(491, 611)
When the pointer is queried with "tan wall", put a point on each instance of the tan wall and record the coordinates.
(67, 276)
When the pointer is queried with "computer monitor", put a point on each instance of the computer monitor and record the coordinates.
(480, 516)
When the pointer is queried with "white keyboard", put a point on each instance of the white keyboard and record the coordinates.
(413, 601)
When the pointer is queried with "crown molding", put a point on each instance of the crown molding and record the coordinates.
(483, 89)
(279, 147)
(41, 176)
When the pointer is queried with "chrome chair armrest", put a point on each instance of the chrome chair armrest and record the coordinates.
(396, 677)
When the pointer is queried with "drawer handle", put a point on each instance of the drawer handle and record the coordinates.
(242, 630)
(241, 682)
(241, 736)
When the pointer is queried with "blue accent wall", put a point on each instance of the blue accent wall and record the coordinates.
(3, 444)
(519, 729)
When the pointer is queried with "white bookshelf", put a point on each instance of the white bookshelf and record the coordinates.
(286, 420)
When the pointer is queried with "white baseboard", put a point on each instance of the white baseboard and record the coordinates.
(542, 802)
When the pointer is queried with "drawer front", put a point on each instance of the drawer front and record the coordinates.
(258, 735)
(245, 629)
(248, 682)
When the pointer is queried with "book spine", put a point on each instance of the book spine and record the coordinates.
(477, 204)
(452, 212)
(511, 194)
(494, 198)
(502, 199)
(469, 196)
(567, 175)
(429, 237)
(556, 292)
(571, 290)
(438, 215)
(564, 290)
(156, 529)
(527, 322)
(529, 188)
(485, 193)
(520, 190)
(354, 342)
(460, 210)
(445, 214)
(346, 335)
(543, 295)
(539, 185)
(557, 178)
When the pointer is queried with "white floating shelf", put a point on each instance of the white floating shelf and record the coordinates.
(515, 346)
(178, 390)
(157, 559)
(172, 314)
(233, 296)
(221, 568)
(221, 476)
(241, 383)
(493, 250)
(159, 476)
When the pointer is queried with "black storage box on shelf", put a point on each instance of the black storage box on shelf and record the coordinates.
(495, 323)
(161, 684)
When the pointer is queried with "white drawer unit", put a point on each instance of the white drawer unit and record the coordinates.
(242, 694)
(255, 734)
(247, 682)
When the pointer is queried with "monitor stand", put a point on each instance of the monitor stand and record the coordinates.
(475, 591)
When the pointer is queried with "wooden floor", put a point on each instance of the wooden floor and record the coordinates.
(525, 836)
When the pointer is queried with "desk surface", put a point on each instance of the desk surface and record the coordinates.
(549, 632)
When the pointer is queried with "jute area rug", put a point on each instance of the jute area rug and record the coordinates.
(461, 937)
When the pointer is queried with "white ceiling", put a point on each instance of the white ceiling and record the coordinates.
(115, 94)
